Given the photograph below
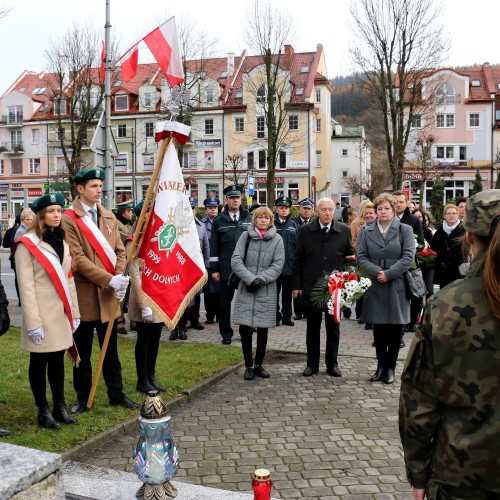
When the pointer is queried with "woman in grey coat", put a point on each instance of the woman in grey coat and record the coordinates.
(255, 303)
(385, 252)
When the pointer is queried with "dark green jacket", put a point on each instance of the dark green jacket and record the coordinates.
(449, 413)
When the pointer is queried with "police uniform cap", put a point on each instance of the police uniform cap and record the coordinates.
(138, 208)
(88, 175)
(233, 191)
(124, 205)
(283, 201)
(193, 202)
(482, 212)
(211, 202)
(254, 206)
(48, 200)
(306, 202)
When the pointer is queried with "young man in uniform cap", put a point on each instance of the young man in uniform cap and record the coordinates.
(212, 288)
(226, 230)
(288, 229)
(98, 264)
(124, 215)
(305, 212)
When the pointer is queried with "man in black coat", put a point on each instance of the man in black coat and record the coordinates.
(4, 326)
(322, 248)
(288, 229)
(227, 227)
(406, 217)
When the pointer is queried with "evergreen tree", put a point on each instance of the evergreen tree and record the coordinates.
(477, 185)
(436, 200)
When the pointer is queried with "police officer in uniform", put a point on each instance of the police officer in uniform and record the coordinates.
(305, 211)
(288, 229)
(226, 230)
(449, 409)
(96, 285)
(212, 288)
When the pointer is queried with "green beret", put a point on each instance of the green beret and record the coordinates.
(283, 201)
(47, 200)
(138, 208)
(233, 191)
(88, 175)
(482, 211)
(124, 205)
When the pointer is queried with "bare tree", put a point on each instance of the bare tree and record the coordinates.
(4, 11)
(397, 42)
(371, 186)
(233, 169)
(268, 31)
(77, 91)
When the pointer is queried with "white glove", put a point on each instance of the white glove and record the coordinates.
(147, 314)
(120, 294)
(76, 323)
(36, 335)
(119, 282)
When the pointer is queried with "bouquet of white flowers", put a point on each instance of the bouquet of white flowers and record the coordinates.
(339, 290)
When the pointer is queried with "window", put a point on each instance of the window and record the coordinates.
(121, 103)
(261, 93)
(212, 190)
(15, 139)
(304, 69)
(60, 106)
(15, 114)
(94, 100)
(445, 94)
(250, 160)
(209, 160)
(293, 192)
(190, 159)
(475, 83)
(122, 130)
(16, 166)
(344, 174)
(318, 158)
(282, 163)
(150, 129)
(318, 124)
(39, 90)
(239, 124)
(2, 166)
(462, 156)
(293, 122)
(61, 133)
(35, 136)
(445, 121)
(148, 99)
(262, 160)
(445, 152)
(299, 91)
(261, 127)
(344, 152)
(34, 165)
(209, 126)
(318, 95)
(474, 120)
(210, 95)
(416, 121)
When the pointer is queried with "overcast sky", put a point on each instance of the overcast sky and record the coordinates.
(27, 30)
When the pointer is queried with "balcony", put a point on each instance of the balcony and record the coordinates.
(12, 120)
(11, 148)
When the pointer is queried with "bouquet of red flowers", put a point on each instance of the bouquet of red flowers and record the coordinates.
(425, 256)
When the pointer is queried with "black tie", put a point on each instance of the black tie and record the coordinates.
(235, 219)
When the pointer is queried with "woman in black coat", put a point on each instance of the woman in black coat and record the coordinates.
(447, 242)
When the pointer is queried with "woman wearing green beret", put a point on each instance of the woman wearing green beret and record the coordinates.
(50, 311)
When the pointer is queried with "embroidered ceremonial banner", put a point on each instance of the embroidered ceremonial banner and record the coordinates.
(173, 270)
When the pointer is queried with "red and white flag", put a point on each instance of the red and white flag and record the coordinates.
(168, 128)
(173, 270)
(102, 71)
(130, 63)
(164, 45)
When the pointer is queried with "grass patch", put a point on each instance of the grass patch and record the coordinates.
(179, 366)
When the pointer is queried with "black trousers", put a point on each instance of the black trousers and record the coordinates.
(387, 341)
(212, 305)
(246, 345)
(415, 309)
(226, 297)
(45, 365)
(193, 312)
(314, 319)
(284, 288)
(111, 368)
(146, 349)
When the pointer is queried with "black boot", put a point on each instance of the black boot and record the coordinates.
(377, 376)
(155, 384)
(144, 386)
(60, 414)
(174, 334)
(45, 419)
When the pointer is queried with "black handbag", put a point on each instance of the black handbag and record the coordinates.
(234, 281)
(415, 284)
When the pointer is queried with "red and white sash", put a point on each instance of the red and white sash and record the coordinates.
(96, 239)
(52, 265)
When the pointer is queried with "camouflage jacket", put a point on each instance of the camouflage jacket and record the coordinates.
(449, 411)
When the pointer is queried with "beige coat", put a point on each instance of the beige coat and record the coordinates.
(91, 278)
(41, 304)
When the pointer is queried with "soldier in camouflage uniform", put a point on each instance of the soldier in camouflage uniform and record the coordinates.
(449, 416)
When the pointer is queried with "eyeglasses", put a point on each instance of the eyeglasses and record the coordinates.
(263, 217)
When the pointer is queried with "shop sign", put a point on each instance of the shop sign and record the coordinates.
(34, 192)
(208, 143)
(18, 194)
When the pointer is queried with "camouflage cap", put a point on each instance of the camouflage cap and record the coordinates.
(480, 211)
